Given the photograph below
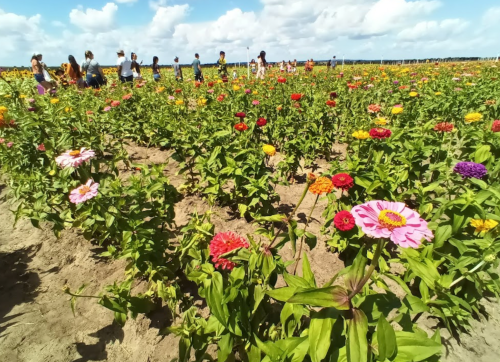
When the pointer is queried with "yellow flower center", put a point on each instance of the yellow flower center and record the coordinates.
(84, 189)
(391, 219)
(75, 153)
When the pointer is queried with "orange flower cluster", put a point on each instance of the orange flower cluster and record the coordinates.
(322, 185)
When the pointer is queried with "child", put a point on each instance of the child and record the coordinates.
(235, 75)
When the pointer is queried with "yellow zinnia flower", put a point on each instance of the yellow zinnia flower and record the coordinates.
(54, 101)
(68, 109)
(397, 110)
(413, 94)
(473, 117)
(202, 101)
(381, 121)
(361, 135)
(483, 226)
(255, 92)
(269, 150)
(236, 88)
(179, 102)
(3, 109)
(220, 81)
(22, 96)
(438, 93)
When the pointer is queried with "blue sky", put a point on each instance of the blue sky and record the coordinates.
(286, 29)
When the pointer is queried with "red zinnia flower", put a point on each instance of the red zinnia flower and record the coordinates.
(197, 84)
(221, 97)
(343, 181)
(495, 127)
(223, 243)
(281, 80)
(240, 115)
(210, 84)
(41, 147)
(261, 122)
(380, 133)
(443, 127)
(333, 95)
(89, 112)
(344, 221)
(241, 127)
(178, 90)
(296, 96)
(331, 103)
(115, 103)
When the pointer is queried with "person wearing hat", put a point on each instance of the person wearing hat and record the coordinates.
(124, 67)
(222, 65)
(177, 69)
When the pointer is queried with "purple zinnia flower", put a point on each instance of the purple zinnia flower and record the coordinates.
(470, 169)
(31, 109)
(396, 82)
(248, 91)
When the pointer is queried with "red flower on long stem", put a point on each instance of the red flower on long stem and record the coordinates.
(344, 221)
(261, 122)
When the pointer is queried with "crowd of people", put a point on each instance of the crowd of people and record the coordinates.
(89, 72)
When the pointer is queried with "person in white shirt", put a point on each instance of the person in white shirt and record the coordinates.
(124, 68)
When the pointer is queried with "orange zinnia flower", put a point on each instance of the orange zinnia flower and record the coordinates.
(321, 185)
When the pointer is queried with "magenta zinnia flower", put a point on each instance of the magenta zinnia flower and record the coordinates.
(223, 243)
(74, 158)
(393, 220)
(84, 192)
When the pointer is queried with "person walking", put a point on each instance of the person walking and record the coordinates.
(37, 70)
(262, 64)
(95, 75)
(74, 71)
(198, 75)
(156, 69)
(177, 69)
(334, 62)
(294, 64)
(136, 67)
(222, 65)
(124, 67)
(253, 66)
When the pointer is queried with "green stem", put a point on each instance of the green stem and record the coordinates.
(304, 193)
(302, 238)
(373, 265)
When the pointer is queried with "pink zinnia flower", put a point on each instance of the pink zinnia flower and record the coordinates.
(41, 147)
(374, 108)
(2, 140)
(223, 243)
(115, 103)
(89, 112)
(210, 91)
(9, 145)
(84, 192)
(125, 97)
(248, 91)
(255, 103)
(171, 98)
(74, 158)
(107, 109)
(393, 220)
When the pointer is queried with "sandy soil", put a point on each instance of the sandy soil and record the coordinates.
(36, 322)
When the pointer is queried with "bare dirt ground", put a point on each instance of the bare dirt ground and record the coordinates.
(36, 322)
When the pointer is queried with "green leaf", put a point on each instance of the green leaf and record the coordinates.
(111, 304)
(425, 271)
(307, 273)
(415, 347)
(110, 219)
(269, 348)
(225, 347)
(356, 271)
(482, 154)
(357, 345)
(273, 218)
(335, 297)
(282, 294)
(184, 349)
(415, 305)
(386, 338)
(242, 209)
(320, 331)
(442, 233)
(120, 318)
(214, 293)
(293, 238)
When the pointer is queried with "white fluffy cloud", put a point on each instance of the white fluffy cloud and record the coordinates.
(93, 20)
(125, 1)
(285, 29)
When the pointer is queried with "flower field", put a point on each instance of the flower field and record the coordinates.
(391, 172)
